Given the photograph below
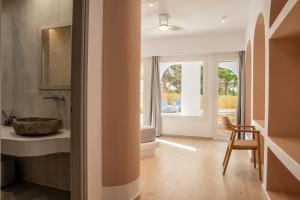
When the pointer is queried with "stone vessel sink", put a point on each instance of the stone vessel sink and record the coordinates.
(36, 126)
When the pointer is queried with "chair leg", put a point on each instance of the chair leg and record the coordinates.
(227, 160)
(228, 146)
(254, 158)
(259, 157)
(225, 157)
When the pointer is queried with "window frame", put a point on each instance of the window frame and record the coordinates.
(238, 94)
(221, 57)
(169, 59)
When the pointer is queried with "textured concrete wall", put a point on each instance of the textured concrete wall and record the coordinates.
(21, 76)
(6, 63)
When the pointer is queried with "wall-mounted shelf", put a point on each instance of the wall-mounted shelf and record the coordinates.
(287, 151)
(282, 196)
(260, 125)
(281, 184)
(283, 140)
(276, 7)
(284, 96)
(287, 22)
(278, 118)
(261, 122)
(21, 146)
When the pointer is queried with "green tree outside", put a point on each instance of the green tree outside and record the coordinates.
(228, 82)
(171, 80)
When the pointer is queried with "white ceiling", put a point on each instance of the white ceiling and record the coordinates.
(196, 16)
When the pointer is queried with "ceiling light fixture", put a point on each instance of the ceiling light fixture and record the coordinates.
(164, 22)
(223, 19)
(151, 4)
(163, 27)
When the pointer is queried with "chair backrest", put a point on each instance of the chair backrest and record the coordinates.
(227, 124)
(230, 127)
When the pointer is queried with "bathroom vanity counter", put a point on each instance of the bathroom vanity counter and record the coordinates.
(22, 146)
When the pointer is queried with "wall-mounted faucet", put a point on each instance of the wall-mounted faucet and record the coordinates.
(56, 98)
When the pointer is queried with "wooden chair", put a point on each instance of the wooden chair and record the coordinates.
(234, 144)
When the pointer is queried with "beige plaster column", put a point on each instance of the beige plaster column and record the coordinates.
(120, 93)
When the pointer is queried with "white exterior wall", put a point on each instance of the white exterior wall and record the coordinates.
(190, 83)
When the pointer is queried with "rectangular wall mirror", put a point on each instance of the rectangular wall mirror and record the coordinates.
(56, 57)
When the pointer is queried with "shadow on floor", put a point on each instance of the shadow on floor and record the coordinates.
(28, 191)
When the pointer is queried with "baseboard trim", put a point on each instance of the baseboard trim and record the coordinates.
(148, 149)
(186, 136)
(130, 191)
(266, 194)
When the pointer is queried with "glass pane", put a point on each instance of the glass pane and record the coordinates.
(56, 56)
(182, 87)
(228, 92)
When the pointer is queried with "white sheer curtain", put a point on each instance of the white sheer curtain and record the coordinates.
(152, 95)
(146, 62)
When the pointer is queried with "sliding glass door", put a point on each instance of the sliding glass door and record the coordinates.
(228, 74)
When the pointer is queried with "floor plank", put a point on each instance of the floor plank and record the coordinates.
(191, 169)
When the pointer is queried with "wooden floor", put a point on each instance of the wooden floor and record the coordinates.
(191, 169)
(28, 191)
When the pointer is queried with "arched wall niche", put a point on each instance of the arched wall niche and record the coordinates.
(248, 93)
(259, 71)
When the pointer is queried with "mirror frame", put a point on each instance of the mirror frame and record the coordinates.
(43, 84)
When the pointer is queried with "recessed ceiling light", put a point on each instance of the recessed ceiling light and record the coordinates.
(151, 3)
(223, 19)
